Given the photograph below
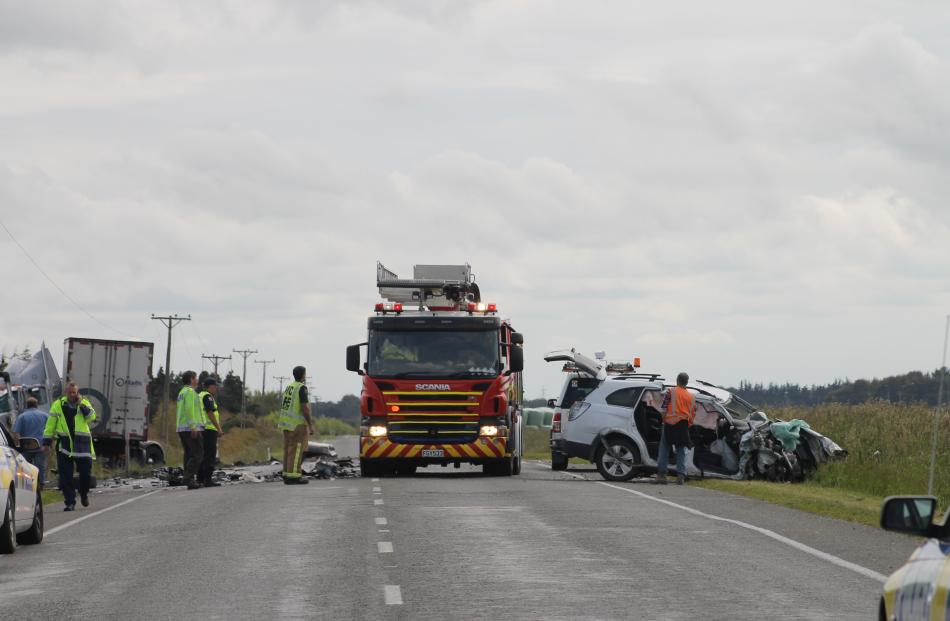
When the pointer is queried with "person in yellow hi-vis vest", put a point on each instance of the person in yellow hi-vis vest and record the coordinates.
(191, 422)
(69, 420)
(213, 429)
(296, 424)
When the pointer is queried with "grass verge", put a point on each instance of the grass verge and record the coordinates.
(836, 503)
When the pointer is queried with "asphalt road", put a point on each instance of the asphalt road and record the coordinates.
(447, 544)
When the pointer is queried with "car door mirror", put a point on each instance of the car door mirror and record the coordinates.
(353, 359)
(912, 515)
(28, 444)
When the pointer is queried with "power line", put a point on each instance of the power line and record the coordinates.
(281, 379)
(169, 321)
(215, 360)
(264, 374)
(58, 288)
(244, 353)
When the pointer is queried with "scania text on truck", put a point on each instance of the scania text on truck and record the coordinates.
(114, 376)
(442, 377)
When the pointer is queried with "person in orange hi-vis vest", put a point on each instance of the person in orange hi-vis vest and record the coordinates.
(679, 409)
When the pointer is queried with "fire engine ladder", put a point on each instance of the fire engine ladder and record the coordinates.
(433, 286)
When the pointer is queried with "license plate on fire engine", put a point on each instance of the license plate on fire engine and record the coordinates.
(433, 453)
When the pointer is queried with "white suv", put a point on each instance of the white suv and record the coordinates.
(615, 422)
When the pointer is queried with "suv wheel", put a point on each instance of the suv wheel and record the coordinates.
(558, 461)
(619, 460)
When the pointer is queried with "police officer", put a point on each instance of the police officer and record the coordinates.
(69, 419)
(296, 424)
(190, 425)
(213, 429)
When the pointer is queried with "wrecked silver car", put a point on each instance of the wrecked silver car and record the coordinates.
(617, 421)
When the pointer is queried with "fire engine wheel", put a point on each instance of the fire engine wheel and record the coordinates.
(499, 467)
(370, 469)
(619, 461)
(405, 471)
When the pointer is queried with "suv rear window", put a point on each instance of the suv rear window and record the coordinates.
(577, 389)
(625, 397)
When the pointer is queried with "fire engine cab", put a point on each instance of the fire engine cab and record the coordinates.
(441, 377)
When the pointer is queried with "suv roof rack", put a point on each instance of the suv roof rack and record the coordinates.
(647, 376)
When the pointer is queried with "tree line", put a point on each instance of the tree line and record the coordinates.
(913, 387)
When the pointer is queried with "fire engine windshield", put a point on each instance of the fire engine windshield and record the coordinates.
(457, 354)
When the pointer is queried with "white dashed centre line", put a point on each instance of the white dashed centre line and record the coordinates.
(383, 530)
(375, 480)
(381, 522)
(377, 489)
(378, 501)
(385, 547)
(393, 595)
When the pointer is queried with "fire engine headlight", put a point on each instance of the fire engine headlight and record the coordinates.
(377, 431)
(489, 430)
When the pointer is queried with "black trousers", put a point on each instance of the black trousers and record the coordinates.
(209, 439)
(192, 458)
(65, 465)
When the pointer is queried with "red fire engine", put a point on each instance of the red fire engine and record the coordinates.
(441, 379)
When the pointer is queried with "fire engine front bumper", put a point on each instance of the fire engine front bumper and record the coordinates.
(479, 451)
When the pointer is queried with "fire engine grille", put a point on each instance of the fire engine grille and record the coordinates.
(430, 417)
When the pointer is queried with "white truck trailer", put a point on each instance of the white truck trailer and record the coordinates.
(114, 376)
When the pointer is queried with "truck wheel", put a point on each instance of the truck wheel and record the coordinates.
(619, 461)
(558, 461)
(499, 467)
(8, 528)
(369, 469)
(35, 534)
(155, 455)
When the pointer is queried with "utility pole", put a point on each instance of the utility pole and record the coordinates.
(215, 360)
(169, 321)
(264, 374)
(244, 353)
(281, 379)
(933, 442)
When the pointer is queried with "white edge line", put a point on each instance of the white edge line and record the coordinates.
(53, 531)
(393, 595)
(831, 558)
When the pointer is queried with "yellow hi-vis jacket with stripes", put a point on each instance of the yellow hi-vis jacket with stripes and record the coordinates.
(209, 424)
(291, 415)
(80, 444)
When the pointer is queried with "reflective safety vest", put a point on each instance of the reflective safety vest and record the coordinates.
(190, 411)
(291, 415)
(682, 406)
(209, 424)
(80, 443)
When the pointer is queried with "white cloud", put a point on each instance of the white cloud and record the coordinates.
(742, 191)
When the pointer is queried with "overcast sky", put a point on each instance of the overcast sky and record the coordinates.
(743, 190)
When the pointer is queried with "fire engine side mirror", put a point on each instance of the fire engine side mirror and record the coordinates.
(353, 359)
(516, 359)
(517, 338)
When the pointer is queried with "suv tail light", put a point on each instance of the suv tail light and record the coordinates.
(556, 422)
(577, 410)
